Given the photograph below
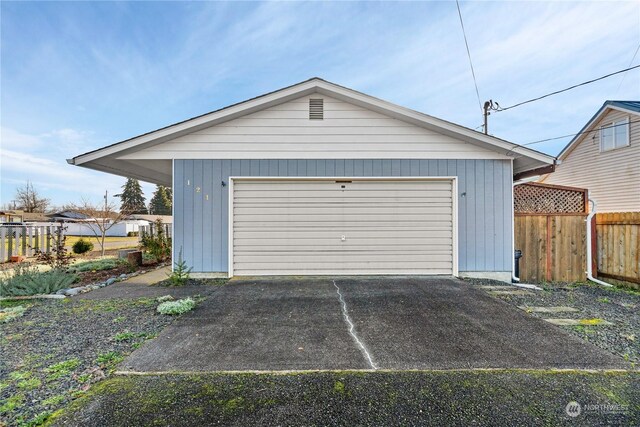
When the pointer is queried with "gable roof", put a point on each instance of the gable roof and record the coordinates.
(105, 158)
(628, 106)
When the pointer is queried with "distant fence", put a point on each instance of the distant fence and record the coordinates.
(618, 245)
(27, 240)
(153, 229)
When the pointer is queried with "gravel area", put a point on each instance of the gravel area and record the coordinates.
(619, 306)
(442, 398)
(58, 348)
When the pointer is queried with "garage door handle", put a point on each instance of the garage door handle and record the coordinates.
(343, 238)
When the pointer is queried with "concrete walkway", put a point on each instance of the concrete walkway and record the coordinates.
(141, 286)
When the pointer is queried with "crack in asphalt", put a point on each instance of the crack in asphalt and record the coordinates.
(347, 319)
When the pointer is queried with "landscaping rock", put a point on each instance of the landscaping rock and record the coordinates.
(73, 291)
(110, 281)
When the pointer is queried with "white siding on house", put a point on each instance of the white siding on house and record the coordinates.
(347, 131)
(612, 177)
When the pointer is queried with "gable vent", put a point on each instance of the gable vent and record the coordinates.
(316, 109)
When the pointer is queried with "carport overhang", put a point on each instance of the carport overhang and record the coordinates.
(526, 162)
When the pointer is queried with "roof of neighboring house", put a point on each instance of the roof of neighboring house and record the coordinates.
(69, 215)
(106, 158)
(630, 106)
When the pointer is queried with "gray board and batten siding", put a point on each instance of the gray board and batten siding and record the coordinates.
(201, 203)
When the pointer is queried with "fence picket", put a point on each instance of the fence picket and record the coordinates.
(618, 245)
(26, 240)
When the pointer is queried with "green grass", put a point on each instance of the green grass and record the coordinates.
(61, 369)
(11, 403)
(130, 336)
(54, 400)
(29, 384)
(110, 358)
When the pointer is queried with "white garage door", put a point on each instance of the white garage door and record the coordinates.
(342, 226)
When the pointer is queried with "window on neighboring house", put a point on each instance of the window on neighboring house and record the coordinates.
(614, 135)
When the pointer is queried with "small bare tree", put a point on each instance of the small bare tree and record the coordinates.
(28, 199)
(100, 218)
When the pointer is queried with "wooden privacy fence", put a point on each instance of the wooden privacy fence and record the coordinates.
(26, 240)
(550, 230)
(618, 245)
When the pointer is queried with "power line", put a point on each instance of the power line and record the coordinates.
(579, 133)
(466, 43)
(630, 62)
(566, 89)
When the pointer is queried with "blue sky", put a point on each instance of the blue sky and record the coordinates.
(79, 75)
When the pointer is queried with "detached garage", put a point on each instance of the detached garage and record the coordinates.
(318, 179)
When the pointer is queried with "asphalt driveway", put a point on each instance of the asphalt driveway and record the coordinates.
(278, 324)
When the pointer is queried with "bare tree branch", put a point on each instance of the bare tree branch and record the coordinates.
(100, 218)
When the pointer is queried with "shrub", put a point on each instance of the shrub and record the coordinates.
(27, 280)
(157, 243)
(97, 265)
(82, 246)
(180, 273)
(9, 313)
(176, 307)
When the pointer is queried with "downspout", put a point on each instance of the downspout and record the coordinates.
(514, 279)
(589, 253)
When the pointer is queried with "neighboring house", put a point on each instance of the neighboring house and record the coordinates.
(11, 216)
(317, 179)
(605, 158)
(22, 216)
(79, 224)
(166, 219)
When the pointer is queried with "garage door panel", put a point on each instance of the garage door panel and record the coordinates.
(354, 194)
(296, 227)
(341, 225)
(349, 235)
(353, 210)
(350, 185)
(336, 271)
(253, 217)
(323, 258)
(331, 198)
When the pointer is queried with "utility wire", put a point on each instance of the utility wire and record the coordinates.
(579, 133)
(630, 62)
(499, 109)
(466, 43)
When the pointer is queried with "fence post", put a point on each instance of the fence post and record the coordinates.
(23, 232)
(9, 242)
(48, 238)
(3, 234)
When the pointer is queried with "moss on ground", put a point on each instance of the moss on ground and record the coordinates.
(481, 397)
